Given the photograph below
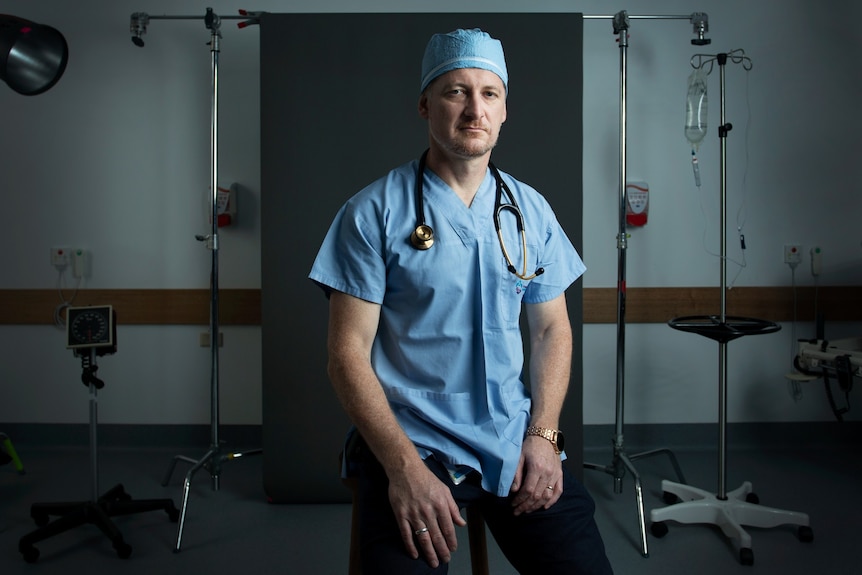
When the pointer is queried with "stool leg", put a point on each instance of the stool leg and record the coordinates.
(478, 543)
(354, 567)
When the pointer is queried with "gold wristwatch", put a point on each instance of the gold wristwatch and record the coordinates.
(555, 436)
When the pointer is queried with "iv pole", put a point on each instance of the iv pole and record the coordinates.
(212, 460)
(621, 461)
(729, 510)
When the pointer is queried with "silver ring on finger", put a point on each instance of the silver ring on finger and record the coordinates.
(420, 531)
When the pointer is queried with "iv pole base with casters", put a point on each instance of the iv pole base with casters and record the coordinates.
(99, 509)
(622, 462)
(213, 459)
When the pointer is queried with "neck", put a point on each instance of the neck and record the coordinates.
(463, 175)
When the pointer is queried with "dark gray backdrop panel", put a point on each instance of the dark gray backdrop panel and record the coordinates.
(338, 110)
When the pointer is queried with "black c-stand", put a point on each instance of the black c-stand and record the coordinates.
(99, 509)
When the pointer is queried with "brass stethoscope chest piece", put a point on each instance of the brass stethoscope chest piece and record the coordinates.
(422, 237)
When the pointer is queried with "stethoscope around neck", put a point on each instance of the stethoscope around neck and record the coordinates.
(422, 237)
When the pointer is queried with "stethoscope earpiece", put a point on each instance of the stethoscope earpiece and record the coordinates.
(422, 237)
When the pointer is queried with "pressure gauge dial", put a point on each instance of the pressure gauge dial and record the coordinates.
(90, 327)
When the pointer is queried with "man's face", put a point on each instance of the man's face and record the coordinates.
(465, 109)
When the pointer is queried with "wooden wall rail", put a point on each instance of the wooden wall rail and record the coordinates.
(134, 306)
(643, 305)
(658, 305)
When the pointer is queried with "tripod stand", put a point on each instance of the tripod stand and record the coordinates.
(99, 509)
(621, 461)
(214, 457)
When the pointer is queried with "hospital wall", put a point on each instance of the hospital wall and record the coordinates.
(115, 160)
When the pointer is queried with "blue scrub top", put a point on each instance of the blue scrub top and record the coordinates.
(449, 350)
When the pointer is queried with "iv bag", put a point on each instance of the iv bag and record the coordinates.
(696, 107)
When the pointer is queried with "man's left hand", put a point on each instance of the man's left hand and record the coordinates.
(538, 480)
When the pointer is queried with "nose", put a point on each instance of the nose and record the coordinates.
(473, 107)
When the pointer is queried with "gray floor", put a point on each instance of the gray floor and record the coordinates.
(235, 530)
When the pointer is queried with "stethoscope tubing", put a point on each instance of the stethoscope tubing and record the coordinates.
(422, 237)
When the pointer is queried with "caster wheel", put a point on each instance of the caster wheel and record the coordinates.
(669, 498)
(31, 554)
(746, 556)
(658, 529)
(752, 498)
(124, 550)
(805, 534)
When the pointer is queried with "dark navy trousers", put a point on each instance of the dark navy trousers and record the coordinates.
(562, 540)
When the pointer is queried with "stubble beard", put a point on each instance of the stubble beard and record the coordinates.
(470, 147)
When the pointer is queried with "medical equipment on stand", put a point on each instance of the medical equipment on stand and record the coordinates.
(422, 237)
(841, 358)
(696, 107)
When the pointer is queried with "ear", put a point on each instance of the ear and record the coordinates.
(422, 106)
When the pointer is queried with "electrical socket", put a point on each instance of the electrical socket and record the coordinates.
(792, 254)
(204, 339)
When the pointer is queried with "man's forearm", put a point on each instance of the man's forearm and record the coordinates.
(365, 403)
(550, 366)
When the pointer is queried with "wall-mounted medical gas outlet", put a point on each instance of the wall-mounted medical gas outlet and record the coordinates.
(77, 258)
(816, 261)
(792, 254)
(61, 257)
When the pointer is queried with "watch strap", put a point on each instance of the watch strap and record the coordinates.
(547, 433)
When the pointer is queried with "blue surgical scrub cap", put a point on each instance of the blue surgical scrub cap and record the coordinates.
(463, 49)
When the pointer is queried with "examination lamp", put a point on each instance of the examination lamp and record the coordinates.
(33, 56)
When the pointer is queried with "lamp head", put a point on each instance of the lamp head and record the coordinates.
(33, 57)
(138, 27)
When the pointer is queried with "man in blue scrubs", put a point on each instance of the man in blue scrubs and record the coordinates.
(426, 279)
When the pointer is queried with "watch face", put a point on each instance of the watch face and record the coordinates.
(561, 441)
(90, 327)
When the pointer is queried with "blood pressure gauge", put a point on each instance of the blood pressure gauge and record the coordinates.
(91, 327)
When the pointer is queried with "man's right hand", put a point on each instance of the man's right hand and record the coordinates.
(426, 514)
